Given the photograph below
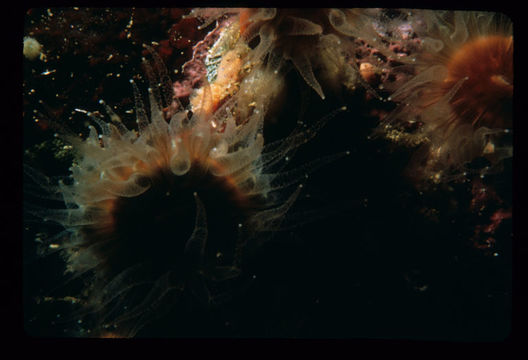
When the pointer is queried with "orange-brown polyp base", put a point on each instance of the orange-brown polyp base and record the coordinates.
(153, 227)
(485, 98)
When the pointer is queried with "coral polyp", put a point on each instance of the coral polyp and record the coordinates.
(460, 96)
(485, 66)
(173, 204)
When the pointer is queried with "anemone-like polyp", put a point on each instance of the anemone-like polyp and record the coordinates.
(169, 206)
(460, 94)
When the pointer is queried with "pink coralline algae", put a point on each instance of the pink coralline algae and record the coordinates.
(195, 70)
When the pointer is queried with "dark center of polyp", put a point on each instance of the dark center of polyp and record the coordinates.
(154, 227)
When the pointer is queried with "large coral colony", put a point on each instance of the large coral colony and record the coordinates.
(174, 203)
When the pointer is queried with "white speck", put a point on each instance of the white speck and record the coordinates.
(32, 48)
(47, 72)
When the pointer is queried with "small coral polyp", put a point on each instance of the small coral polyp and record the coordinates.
(461, 93)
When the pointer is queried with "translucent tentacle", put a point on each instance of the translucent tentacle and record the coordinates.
(195, 246)
(303, 65)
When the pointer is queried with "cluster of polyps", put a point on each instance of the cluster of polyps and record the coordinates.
(305, 38)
